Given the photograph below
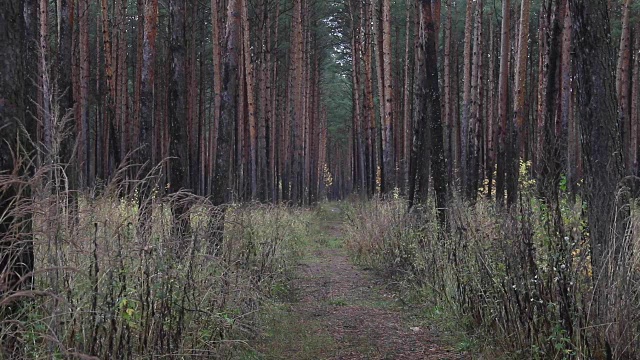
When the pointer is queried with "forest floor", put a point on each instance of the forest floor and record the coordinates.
(337, 310)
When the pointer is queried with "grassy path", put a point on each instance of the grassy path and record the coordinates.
(337, 310)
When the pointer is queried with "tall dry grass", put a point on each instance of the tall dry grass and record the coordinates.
(106, 286)
(518, 284)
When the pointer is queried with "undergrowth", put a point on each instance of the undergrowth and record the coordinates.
(511, 284)
(109, 287)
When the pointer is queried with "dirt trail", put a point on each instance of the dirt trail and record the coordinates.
(343, 312)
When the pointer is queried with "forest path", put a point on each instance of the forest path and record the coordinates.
(337, 310)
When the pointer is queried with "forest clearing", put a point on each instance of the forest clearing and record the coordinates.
(309, 179)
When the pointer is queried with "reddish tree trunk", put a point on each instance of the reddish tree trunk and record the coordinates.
(519, 110)
(387, 134)
(503, 109)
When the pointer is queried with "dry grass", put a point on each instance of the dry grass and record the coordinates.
(106, 286)
(521, 285)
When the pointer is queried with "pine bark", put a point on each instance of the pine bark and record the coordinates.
(473, 124)
(217, 81)
(146, 106)
(178, 147)
(123, 121)
(16, 248)
(387, 134)
(251, 104)
(503, 108)
(566, 102)
(550, 163)
(604, 165)
(467, 94)
(360, 178)
(273, 129)
(447, 93)
(82, 123)
(191, 97)
(431, 109)
(407, 123)
(135, 131)
(264, 108)
(110, 146)
(369, 107)
(543, 56)
(229, 99)
(599, 127)
(490, 136)
(148, 79)
(297, 119)
(519, 110)
(64, 84)
(635, 94)
(622, 81)
(46, 97)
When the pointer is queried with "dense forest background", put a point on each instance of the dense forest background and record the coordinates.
(314, 91)
(165, 116)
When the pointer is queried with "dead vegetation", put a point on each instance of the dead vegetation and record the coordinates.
(510, 281)
(107, 286)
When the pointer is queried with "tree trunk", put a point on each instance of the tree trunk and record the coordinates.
(147, 79)
(191, 98)
(16, 248)
(82, 123)
(217, 82)
(407, 123)
(622, 81)
(297, 119)
(64, 83)
(379, 63)
(147, 83)
(470, 171)
(387, 130)
(178, 147)
(519, 110)
(503, 109)
(360, 179)
(467, 93)
(635, 94)
(549, 177)
(123, 119)
(110, 149)
(369, 107)
(543, 49)
(229, 98)
(599, 130)
(431, 110)
(491, 119)
(250, 95)
(447, 90)
(45, 88)
(135, 132)
(566, 103)
(273, 143)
